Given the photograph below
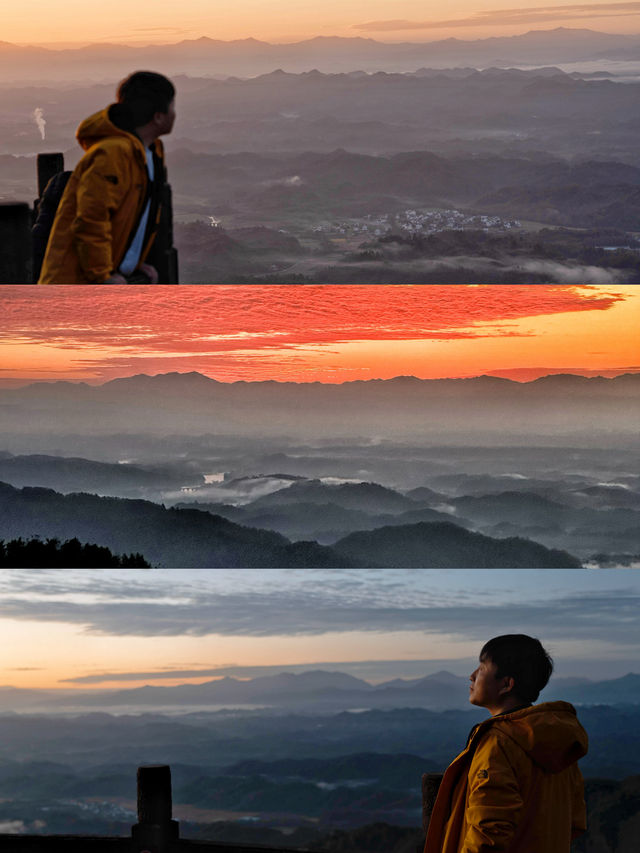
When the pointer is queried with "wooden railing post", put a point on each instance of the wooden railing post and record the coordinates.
(15, 243)
(165, 256)
(155, 831)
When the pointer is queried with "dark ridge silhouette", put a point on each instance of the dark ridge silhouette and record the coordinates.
(74, 474)
(168, 537)
(195, 539)
(377, 498)
(394, 769)
(445, 545)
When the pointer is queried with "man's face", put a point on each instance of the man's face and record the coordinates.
(486, 689)
(164, 121)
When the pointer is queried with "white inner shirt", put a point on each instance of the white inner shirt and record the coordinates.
(132, 258)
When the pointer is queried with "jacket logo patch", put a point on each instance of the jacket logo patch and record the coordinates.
(483, 774)
(113, 179)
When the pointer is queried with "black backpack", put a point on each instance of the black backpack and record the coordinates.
(45, 214)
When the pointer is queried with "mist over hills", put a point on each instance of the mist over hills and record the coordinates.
(431, 473)
(190, 538)
(71, 474)
(306, 773)
(418, 527)
(325, 512)
(556, 406)
(558, 516)
(458, 112)
(439, 103)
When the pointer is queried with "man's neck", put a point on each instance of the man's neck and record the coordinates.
(508, 706)
(146, 135)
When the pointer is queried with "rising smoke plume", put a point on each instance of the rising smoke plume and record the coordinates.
(38, 115)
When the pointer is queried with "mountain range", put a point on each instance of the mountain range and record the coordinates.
(484, 409)
(324, 691)
(191, 538)
(249, 56)
(556, 515)
(71, 474)
(332, 182)
(483, 471)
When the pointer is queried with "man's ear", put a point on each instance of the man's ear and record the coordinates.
(508, 683)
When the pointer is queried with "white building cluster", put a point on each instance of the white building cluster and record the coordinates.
(414, 222)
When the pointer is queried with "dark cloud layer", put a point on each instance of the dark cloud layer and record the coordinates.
(605, 616)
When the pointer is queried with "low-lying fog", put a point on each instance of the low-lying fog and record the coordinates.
(583, 500)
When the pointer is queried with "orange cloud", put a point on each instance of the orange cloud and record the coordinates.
(281, 331)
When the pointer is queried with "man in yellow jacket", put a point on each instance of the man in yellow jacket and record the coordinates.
(109, 212)
(516, 787)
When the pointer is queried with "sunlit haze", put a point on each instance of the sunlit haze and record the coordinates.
(282, 21)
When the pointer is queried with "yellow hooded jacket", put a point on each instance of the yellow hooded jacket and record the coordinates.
(516, 788)
(101, 205)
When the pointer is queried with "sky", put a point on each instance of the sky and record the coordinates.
(329, 333)
(144, 22)
(99, 629)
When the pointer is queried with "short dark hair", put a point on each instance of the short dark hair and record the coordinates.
(145, 93)
(522, 658)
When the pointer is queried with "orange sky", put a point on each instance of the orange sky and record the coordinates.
(327, 333)
(40, 21)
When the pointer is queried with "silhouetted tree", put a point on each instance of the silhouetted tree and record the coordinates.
(71, 554)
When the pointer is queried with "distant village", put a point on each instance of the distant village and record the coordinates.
(415, 222)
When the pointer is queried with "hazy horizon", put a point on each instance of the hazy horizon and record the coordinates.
(411, 21)
(411, 38)
(523, 376)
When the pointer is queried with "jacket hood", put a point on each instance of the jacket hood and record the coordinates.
(105, 123)
(549, 733)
